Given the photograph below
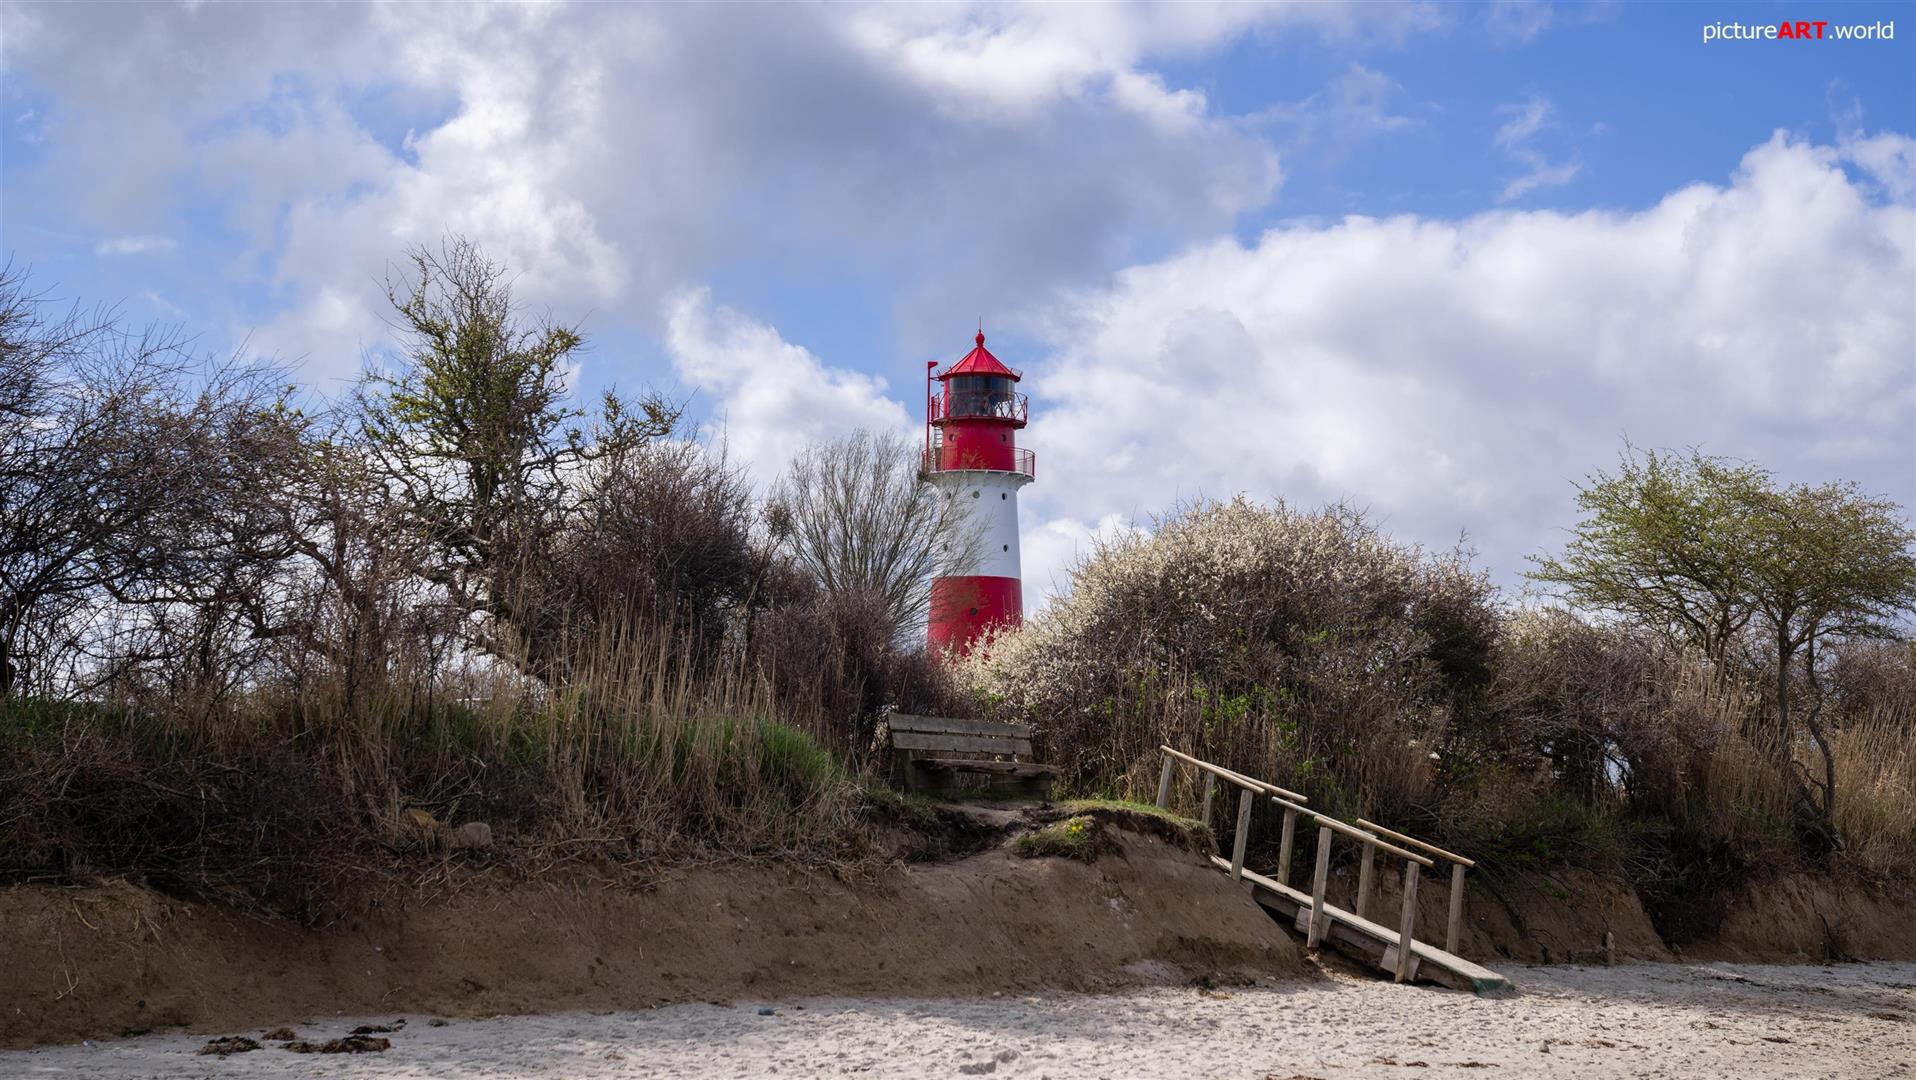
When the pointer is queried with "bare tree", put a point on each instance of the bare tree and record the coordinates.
(854, 515)
(114, 448)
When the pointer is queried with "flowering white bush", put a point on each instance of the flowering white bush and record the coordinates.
(1303, 647)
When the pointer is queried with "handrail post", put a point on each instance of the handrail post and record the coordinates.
(1210, 783)
(1164, 781)
(1454, 928)
(1365, 880)
(1285, 846)
(1407, 927)
(1243, 835)
(1318, 884)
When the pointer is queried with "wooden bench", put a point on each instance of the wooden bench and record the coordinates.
(936, 755)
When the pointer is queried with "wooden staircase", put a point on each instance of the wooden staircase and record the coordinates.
(1321, 922)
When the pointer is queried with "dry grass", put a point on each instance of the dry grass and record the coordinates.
(1876, 794)
(1748, 799)
(279, 800)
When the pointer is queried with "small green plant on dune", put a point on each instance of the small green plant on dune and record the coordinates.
(1073, 838)
(1148, 819)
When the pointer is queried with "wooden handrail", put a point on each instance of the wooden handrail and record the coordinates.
(1290, 800)
(1356, 833)
(1454, 922)
(1237, 778)
(1414, 842)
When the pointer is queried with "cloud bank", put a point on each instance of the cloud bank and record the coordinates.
(1456, 376)
(613, 154)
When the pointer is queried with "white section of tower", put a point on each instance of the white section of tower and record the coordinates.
(991, 517)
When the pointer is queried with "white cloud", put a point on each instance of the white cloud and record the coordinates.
(1887, 160)
(1008, 59)
(1768, 319)
(134, 245)
(1358, 105)
(1050, 550)
(1542, 174)
(1516, 138)
(1518, 22)
(772, 398)
(162, 305)
(1457, 375)
(1526, 120)
(613, 154)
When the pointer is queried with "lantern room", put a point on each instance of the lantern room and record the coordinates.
(970, 419)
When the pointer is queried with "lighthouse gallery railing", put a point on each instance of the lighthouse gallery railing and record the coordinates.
(933, 461)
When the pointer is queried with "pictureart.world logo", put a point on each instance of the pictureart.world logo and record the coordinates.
(1799, 30)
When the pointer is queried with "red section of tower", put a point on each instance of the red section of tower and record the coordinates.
(971, 455)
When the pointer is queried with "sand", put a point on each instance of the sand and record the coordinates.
(1648, 1020)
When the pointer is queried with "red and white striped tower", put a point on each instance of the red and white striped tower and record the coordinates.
(972, 456)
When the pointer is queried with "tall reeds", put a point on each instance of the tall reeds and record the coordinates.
(283, 795)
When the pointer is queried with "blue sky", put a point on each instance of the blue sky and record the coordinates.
(1435, 260)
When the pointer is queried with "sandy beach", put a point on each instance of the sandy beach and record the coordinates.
(1647, 1020)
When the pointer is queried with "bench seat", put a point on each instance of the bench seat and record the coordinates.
(947, 756)
(1008, 768)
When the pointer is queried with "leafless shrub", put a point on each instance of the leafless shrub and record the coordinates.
(1310, 650)
(127, 478)
(837, 658)
(247, 644)
(854, 515)
(663, 533)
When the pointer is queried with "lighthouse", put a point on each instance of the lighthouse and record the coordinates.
(973, 414)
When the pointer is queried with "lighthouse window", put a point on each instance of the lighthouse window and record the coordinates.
(979, 395)
(1002, 495)
(974, 494)
(1007, 547)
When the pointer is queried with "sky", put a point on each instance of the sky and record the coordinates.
(1437, 261)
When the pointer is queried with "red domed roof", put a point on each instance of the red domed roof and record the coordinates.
(979, 361)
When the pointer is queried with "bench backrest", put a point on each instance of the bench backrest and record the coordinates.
(944, 735)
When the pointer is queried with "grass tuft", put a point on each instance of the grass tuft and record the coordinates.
(1146, 818)
(1081, 838)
